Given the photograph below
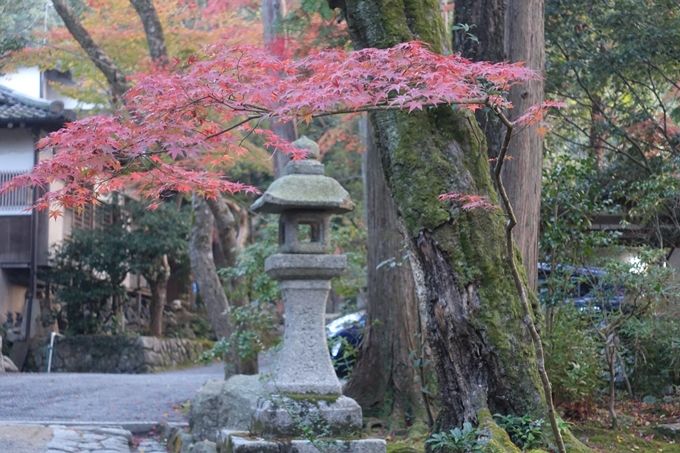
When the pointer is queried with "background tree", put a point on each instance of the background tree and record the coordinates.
(622, 111)
(511, 31)
(385, 381)
(157, 238)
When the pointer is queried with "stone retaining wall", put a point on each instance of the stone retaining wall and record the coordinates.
(117, 354)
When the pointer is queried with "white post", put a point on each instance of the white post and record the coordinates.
(49, 358)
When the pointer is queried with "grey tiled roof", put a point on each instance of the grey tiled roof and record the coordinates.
(17, 108)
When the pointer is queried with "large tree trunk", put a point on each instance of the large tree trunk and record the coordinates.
(484, 357)
(512, 31)
(384, 381)
(159, 296)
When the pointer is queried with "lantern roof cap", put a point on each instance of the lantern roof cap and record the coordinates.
(304, 186)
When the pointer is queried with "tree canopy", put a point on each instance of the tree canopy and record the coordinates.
(178, 129)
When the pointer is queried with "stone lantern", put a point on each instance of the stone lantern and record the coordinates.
(304, 390)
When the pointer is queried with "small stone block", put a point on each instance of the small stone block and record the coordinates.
(204, 446)
(326, 415)
(235, 444)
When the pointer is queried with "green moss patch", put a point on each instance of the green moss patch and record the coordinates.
(310, 398)
(642, 441)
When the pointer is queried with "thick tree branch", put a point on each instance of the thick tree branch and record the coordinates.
(153, 30)
(242, 234)
(106, 65)
(226, 228)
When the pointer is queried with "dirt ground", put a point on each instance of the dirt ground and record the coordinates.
(24, 439)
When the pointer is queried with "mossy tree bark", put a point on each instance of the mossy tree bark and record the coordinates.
(484, 356)
(384, 380)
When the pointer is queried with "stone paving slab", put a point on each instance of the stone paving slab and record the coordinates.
(89, 440)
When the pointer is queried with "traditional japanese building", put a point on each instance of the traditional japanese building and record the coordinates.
(25, 235)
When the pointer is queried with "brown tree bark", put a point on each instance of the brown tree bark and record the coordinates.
(384, 381)
(203, 267)
(272, 12)
(512, 31)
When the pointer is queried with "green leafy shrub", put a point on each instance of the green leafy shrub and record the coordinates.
(524, 432)
(87, 271)
(252, 334)
(571, 359)
(653, 350)
(466, 440)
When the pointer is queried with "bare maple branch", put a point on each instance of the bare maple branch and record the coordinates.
(519, 285)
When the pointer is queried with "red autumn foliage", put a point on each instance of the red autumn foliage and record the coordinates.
(178, 128)
(470, 202)
(535, 113)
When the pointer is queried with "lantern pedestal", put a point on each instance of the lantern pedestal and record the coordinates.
(305, 398)
(305, 392)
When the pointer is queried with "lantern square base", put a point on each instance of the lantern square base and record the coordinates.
(301, 415)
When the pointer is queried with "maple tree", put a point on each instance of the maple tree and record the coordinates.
(165, 139)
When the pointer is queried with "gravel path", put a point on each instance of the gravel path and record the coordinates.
(85, 397)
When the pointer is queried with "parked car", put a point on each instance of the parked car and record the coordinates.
(344, 336)
(586, 289)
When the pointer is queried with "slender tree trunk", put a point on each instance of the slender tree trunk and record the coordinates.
(272, 12)
(384, 380)
(114, 75)
(524, 41)
(159, 296)
(153, 30)
(512, 31)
